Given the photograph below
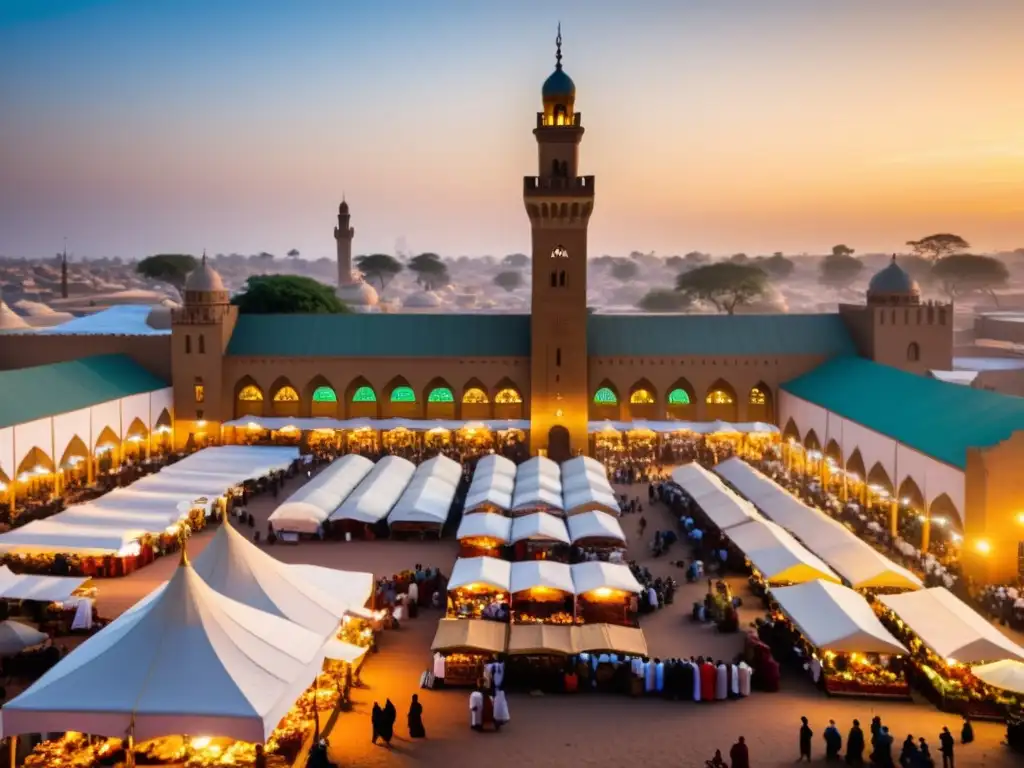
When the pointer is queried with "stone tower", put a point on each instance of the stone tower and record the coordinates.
(200, 332)
(559, 202)
(343, 234)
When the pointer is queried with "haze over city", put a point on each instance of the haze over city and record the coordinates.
(139, 128)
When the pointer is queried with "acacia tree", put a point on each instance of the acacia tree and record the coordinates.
(776, 265)
(516, 260)
(287, 294)
(430, 271)
(935, 247)
(724, 285)
(663, 300)
(171, 268)
(509, 280)
(964, 273)
(380, 267)
(293, 253)
(839, 269)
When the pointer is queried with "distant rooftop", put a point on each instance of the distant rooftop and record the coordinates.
(121, 320)
(988, 363)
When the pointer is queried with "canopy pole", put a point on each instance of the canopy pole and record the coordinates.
(894, 517)
(12, 746)
(316, 708)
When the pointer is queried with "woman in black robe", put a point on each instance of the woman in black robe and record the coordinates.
(387, 722)
(416, 729)
(376, 719)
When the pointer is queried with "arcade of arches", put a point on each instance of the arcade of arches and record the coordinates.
(720, 402)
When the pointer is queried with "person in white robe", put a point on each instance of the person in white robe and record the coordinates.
(696, 680)
(734, 680)
(650, 670)
(721, 682)
(414, 592)
(745, 674)
(637, 665)
(501, 714)
(476, 710)
(438, 667)
(659, 675)
(498, 674)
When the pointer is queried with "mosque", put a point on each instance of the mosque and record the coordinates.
(849, 390)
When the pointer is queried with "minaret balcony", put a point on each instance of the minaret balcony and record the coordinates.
(547, 186)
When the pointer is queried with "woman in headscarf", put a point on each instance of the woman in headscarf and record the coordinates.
(387, 723)
(501, 714)
(415, 719)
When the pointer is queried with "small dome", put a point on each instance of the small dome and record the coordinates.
(893, 279)
(204, 278)
(559, 87)
(424, 300)
(10, 321)
(358, 294)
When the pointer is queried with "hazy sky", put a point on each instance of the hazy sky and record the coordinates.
(135, 127)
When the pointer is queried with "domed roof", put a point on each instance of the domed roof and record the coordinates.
(893, 279)
(424, 300)
(558, 86)
(10, 321)
(358, 294)
(204, 278)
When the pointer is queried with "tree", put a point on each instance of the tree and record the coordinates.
(430, 271)
(739, 258)
(935, 247)
(516, 260)
(287, 294)
(776, 265)
(625, 270)
(839, 269)
(725, 285)
(293, 253)
(380, 267)
(264, 256)
(170, 268)
(964, 273)
(509, 280)
(696, 257)
(663, 300)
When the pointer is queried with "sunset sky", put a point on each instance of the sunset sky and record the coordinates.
(136, 127)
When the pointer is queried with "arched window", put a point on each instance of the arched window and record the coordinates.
(199, 390)
(913, 352)
(403, 395)
(641, 397)
(558, 357)
(508, 396)
(364, 395)
(188, 344)
(251, 394)
(719, 397)
(678, 397)
(324, 395)
(286, 394)
(475, 396)
(559, 253)
(561, 279)
(604, 396)
(554, 279)
(439, 395)
(757, 396)
(202, 345)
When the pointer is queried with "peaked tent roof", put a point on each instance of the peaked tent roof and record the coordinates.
(236, 568)
(939, 419)
(188, 661)
(49, 390)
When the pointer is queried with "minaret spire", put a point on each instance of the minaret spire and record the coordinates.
(558, 47)
(64, 271)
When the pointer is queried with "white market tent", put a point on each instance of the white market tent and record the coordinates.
(44, 589)
(352, 589)
(539, 526)
(595, 574)
(307, 509)
(88, 515)
(15, 637)
(671, 427)
(835, 618)
(483, 500)
(50, 535)
(778, 556)
(481, 571)
(494, 464)
(539, 465)
(857, 562)
(546, 574)
(495, 480)
(379, 491)
(583, 465)
(951, 628)
(444, 468)
(536, 491)
(1005, 675)
(427, 500)
(594, 525)
(188, 661)
(485, 526)
(697, 481)
(594, 496)
(719, 502)
(239, 570)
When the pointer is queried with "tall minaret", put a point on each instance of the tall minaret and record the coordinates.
(343, 234)
(559, 202)
(64, 271)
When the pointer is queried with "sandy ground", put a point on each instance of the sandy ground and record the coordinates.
(582, 730)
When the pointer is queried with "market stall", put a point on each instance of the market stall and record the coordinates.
(374, 497)
(424, 505)
(478, 588)
(596, 531)
(850, 649)
(605, 593)
(483, 534)
(610, 638)
(464, 647)
(310, 505)
(946, 637)
(775, 557)
(539, 536)
(542, 592)
(719, 504)
(538, 655)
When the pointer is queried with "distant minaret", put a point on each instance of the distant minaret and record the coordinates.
(64, 271)
(343, 234)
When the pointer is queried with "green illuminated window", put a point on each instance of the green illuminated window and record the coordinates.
(403, 395)
(604, 396)
(678, 397)
(364, 395)
(324, 395)
(439, 395)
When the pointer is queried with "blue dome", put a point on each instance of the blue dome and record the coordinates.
(558, 85)
(892, 279)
